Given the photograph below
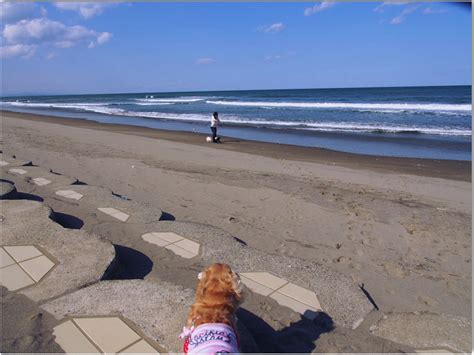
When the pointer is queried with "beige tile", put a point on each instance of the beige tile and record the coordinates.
(121, 216)
(256, 287)
(22, 252)
(64, 193)
(37, 267)
(3, 163)
(169, 236)
(296, 306)
(301, 294)
(189, 245)
(41, 181)
(180, 252)
(153, 239)
(5, 259)
(14, 278)
(18, 171)
(108, 210)
(433, 351)
(141, 347)
(71, 339)
(110, 334)
(265, 279)
(75, 196)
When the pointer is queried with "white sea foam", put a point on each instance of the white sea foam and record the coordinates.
(238, 120)
(343, 105)
(172, 100)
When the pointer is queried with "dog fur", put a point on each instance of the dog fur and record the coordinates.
(218, 296)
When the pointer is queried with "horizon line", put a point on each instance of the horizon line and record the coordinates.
(230, 90)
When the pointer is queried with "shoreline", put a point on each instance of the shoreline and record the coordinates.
(445, 169)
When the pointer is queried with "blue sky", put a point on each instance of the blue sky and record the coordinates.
(66, 48)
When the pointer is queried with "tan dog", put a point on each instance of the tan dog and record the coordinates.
(210, 325)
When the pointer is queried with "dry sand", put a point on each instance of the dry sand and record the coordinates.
(402, 227)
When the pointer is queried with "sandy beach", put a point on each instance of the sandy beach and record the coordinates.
(400, 227)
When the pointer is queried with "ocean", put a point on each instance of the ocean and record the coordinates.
(421, 122)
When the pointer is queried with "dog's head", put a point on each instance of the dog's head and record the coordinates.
(218, 295)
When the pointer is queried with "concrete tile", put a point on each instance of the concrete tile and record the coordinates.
(110, 334)
(3, 163)
(121, 216)
(75, 196)
(108, 210)
(71, 194)
(169, 236)
(41, 181)
(180, 252)
(189, 245)
(5, 259)
(64, 193)
(22, 252)
(433, 351)
(265, 279)
(18, 171)
(141, 347)
(296, 306)
(153, 239)
(37, 267)
(14, 278)
(71, 339)
(301, 294)
(255, 286)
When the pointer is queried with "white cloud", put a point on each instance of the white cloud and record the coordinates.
(431, 11)
(273, 28)
(17, 50)
(381, 7)
(15, 11)
(318, 8)
(85, 9)
(403, 15)
(42, 31)
(205, 61)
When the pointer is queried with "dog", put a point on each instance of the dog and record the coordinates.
(210, 326)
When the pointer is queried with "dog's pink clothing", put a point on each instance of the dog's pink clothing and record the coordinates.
(211, 338)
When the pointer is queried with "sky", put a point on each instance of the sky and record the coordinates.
(87, 48)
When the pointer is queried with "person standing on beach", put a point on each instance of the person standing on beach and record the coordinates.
(214, 123)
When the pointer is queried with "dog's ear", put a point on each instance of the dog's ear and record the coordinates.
(237, 285)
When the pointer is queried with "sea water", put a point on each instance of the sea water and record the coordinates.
(423, 122)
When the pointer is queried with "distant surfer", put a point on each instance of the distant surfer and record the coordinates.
(215, 121)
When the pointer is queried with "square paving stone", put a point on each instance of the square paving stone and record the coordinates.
(300, 294)
(18, 171)
(37, 267)
(64, 193)
(71, 339)
(75, 196)
(266, 279)
(14, 278)
(169, 236)
(41, 181)
(141, 347)
(189, 245)
(5, 259)
(110, 334)
(180, 251)
(296, 306)
(22, 252)
(153, 239)
(255, 286)
(121, 216)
